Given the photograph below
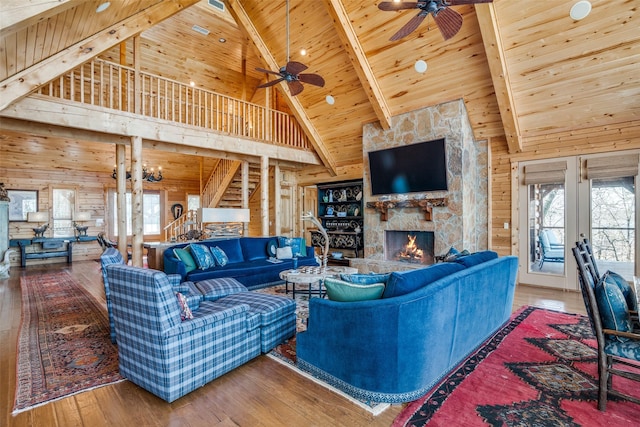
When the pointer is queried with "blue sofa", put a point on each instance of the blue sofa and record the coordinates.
(247, 262)
(396, 348)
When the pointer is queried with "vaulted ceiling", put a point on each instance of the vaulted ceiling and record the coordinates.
(523, 68)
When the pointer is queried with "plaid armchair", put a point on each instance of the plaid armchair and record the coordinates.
(112, 256)
(168, 356)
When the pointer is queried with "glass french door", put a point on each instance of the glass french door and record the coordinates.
(565, 200)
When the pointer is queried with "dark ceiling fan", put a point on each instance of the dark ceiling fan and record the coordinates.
(290, 73)
(448, 20)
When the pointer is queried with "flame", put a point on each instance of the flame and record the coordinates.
(411, 251)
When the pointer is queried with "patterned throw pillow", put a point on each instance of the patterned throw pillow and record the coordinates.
(219, 256)
(339, 290)
(298, 245)
(185, 311)
(612, 306)
(185, 256)
(202, 256)
(626, 289)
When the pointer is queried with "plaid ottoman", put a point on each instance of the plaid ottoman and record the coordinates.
(275, 314)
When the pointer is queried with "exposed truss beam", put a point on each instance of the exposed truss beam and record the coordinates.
(499, 74)
(21, 84)
(244, 23)
(359, 61)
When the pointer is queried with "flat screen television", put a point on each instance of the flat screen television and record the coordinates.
(409, 168)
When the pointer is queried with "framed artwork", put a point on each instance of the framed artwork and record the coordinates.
(21, 203)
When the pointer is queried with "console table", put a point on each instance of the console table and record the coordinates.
(51, 247)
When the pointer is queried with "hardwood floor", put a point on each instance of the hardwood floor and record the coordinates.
(260, 393)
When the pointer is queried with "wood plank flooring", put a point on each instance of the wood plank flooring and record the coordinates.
(260, 393)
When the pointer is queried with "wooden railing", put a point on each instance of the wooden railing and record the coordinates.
(187, 222)
(219, 180)
(115, 86)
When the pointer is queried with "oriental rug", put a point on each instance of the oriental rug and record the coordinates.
(285, 353)
(63, 344)
(540, 369)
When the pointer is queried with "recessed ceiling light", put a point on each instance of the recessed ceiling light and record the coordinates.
(103, 6)
(420, 66)
(580, 10)
(222, 40)
(303, 52)
(330, 100)
(192, 83)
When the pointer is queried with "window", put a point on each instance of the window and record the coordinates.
(64, 204)
(193, 202)
(151, 209)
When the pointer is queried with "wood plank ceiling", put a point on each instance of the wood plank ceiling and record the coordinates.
(523, 66)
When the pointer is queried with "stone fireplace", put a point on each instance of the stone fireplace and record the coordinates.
(413, 246)
(461, 221)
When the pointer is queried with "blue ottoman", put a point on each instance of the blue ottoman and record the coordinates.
(275, 314)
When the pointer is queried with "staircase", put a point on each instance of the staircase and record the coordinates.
(232, 197)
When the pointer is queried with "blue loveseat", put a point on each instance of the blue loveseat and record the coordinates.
(247, 261)
(396, 348)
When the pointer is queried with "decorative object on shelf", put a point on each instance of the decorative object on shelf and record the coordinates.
(325, 250)
(325, 199)
(81, 217)
(39, 217)
(146, 175)
(359, 196)
(330, 196)
(329, 210)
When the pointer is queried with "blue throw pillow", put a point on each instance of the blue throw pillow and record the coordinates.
(202, 256)
(403, 282)
(298, 245)
(451, 254)
(626, 289)
(185, 256)
(339, 290)
(219, 256)
(476, 258)
(612, 306)
(366, 279)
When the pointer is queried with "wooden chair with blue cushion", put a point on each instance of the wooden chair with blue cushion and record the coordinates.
(618, 342)
(552, 250)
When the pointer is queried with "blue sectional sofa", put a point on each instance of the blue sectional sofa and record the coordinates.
(396, 348)
(247, 261)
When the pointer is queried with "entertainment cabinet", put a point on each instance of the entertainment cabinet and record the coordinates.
(341, 212)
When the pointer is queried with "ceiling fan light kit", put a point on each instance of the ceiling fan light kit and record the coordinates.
(580, 10)
(448, 20)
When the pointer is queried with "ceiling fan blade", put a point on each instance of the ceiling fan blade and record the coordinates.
(295, 68)
(267, 71)
(312, 79)
(389, 6)
(458, 2)
(271, 83)
(409, 27)
(295, 87)
(449, 22)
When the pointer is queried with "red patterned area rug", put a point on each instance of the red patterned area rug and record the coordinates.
(63, 345)
(540, 369)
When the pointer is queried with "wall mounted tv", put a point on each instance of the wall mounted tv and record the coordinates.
(409, 168)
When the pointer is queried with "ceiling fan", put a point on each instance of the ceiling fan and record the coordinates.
(290, 73)
(448, 20)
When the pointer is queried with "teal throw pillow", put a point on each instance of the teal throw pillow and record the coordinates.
(185, 256)
(339, 290)
(612, 306)
(219, 256)
(298, 245)
(202, 256)
(626, 289)
(366, 279)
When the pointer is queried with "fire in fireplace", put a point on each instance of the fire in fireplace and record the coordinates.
(409, 246)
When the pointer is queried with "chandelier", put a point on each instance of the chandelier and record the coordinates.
(147, 175)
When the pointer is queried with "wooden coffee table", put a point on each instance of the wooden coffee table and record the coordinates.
(311, 276)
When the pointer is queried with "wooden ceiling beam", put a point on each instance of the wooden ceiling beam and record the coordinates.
(21, 84)
(359, 61)
(499, 74)
(244, 23)
(18, 14)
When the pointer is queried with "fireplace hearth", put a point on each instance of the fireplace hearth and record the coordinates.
(416, 246)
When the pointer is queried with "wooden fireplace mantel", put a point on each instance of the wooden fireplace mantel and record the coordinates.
(425, 204)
